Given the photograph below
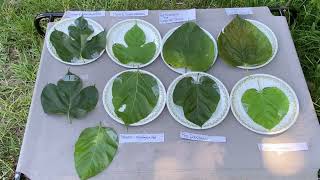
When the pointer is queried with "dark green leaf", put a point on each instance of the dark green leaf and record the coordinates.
(266, 107)
(199, 99)
(134, 95)
(243, 44)
(95, 150)
(189, 47)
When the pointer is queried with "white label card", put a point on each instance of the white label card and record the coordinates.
(201, 137)
(141, 138)
(285, 147)
(177, 16)
(129, 13)
(241, 11)
(69, 14)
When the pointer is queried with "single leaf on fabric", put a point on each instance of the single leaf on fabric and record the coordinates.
(134, 96)
(199, 99)
(266, 107)
(135, 50)
(242, 44)
(68, 98)
(189, 47)
(78, 45)
(94, 151)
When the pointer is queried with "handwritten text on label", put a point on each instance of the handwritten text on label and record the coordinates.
(141, 138)
(177, 16)
(200, 137)
(129, 13)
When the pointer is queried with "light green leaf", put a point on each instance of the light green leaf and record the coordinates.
(243, 44)
(68, 98)
(136, 50)
(189, 47)
(134, 96)
(95, 150)
(199, 99)
(266, 107)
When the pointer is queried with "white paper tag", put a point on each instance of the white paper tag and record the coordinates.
(69, 14)
(201, 137)
(241, 11)
(141, 138)
(177, 16)
(285, 147)
(129, 13)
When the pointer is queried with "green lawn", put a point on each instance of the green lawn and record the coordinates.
(20, 48)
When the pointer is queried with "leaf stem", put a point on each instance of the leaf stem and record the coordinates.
(69, 119)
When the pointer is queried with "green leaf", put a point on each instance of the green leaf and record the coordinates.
(136, 50)
(199, 99)
(95, 150)
(67, 97)
(189, 47)
(266, 107)
(134, 96)
(243, 44)
(77, 44)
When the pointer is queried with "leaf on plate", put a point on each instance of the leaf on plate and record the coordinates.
(135, 50)
(189, 47)
(95, 150)
(266, 107)
(199, 99)
(68, 97)
(242, 44)
(134, 96)
(78, 45)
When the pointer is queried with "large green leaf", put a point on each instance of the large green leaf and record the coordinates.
(243, 44)
(68, 98)
(199, 99)
(134, 96)
(266, 107)
(189, 47)
(77, 44)
(136, 50)
(95, 150)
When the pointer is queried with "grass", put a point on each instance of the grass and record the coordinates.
(20, 48)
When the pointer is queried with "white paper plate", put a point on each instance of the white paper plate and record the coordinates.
(108, 106)
(63, 26)
(217, 117)
(260, 81)
(185, 70)
(117, 32)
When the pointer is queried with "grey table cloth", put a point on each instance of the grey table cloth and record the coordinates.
(48, 145)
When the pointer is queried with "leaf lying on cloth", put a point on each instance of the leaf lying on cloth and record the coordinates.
(136, 51)
(77, 45)
(243, 44)
(189, 47)
(266, 107)
(199, 100)
(68, 98)
(134, 96)
(95, 150)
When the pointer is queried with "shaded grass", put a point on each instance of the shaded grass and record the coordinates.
(20, 48)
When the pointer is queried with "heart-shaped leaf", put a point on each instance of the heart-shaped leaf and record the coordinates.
(68, 98)
(266, 107)
(199, 99)
(95, 150)
(134, 96)
(77, 44)
(189, 47)
(136, 50)
(242, 44)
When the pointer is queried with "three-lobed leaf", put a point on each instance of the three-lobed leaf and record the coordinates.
(189, 47)
(68, 97)
(199, 99)
(95, 150)
(266, 107)
(243, 44)
(134, 96)
(136, 51)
